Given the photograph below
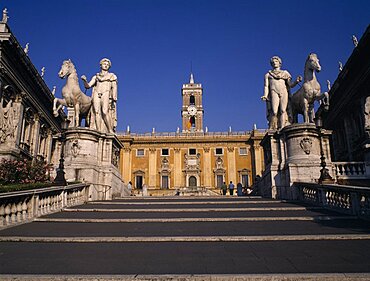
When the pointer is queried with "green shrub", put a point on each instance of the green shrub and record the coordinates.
(20, 186)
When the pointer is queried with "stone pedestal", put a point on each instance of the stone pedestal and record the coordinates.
(292, 155)
(93, 157)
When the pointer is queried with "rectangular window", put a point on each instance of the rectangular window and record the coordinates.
(192, 151)
(165, 152)
(165, 182)
(140, 152)
(243, 151)
(219, 151)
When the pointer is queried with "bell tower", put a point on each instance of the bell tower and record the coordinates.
(192, 108)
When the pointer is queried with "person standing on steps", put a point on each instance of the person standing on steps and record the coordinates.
(231, 188)
(224, 188)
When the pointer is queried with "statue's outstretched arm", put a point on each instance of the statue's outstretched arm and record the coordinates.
(295, 82)
(90, 84)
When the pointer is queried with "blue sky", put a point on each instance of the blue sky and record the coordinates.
(152, 44)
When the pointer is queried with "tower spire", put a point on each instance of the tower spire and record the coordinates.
(191, 78)
(191, 73)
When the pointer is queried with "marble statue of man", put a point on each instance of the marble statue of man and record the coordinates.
(276, 94)
(104, 97)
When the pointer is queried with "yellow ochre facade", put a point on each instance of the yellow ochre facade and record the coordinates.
(192, 157)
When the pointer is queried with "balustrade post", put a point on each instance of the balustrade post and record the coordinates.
(24, 210)
(2, 214)
(7, 213)
(19, 211)
(321, 197)
(36, 211)
(48, 204)
(64, 198)
(13, 210)
(30, 208)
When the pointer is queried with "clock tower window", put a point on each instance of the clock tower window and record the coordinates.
(192, 121)
(192, 100)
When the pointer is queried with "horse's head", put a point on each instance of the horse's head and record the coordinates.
(66, 69)
(312, 62)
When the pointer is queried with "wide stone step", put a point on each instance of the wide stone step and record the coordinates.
(157, 229)
(186, 258)
(197, 277)
(189, 199)
(170, 213)
(192, 206)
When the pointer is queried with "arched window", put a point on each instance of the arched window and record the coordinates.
(192, 181)
(192, 121)
(192, 100)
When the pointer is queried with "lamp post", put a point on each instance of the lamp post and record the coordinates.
(60, 178)
(325, 177)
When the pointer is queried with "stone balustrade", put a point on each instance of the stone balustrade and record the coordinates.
(351, 200)
(350, 170)
(23, 206)
(194, 191)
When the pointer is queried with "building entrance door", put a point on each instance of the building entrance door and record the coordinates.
(165, 182)
(139, 182)
(245, 181)
(220, 180)
(192, 181)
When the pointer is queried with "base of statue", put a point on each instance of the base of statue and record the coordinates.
(292, 154)
(94, 157)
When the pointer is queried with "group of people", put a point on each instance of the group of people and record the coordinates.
(240, 190)
(144, 188)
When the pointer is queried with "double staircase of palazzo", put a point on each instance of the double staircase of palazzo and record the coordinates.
(188, 238)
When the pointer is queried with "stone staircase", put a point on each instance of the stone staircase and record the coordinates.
(188, 238)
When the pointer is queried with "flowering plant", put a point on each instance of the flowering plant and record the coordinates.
(22, 171)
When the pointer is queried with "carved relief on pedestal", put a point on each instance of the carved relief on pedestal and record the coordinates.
(75, 148)
(115, 156)
(306, 145)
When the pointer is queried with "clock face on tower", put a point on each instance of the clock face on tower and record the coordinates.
(192, 110)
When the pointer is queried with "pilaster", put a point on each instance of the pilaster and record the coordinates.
(126, 164)
(207, 168)
(231, 172)
(177, 168)
(152, 167)
(49, 146)
(35, 136)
